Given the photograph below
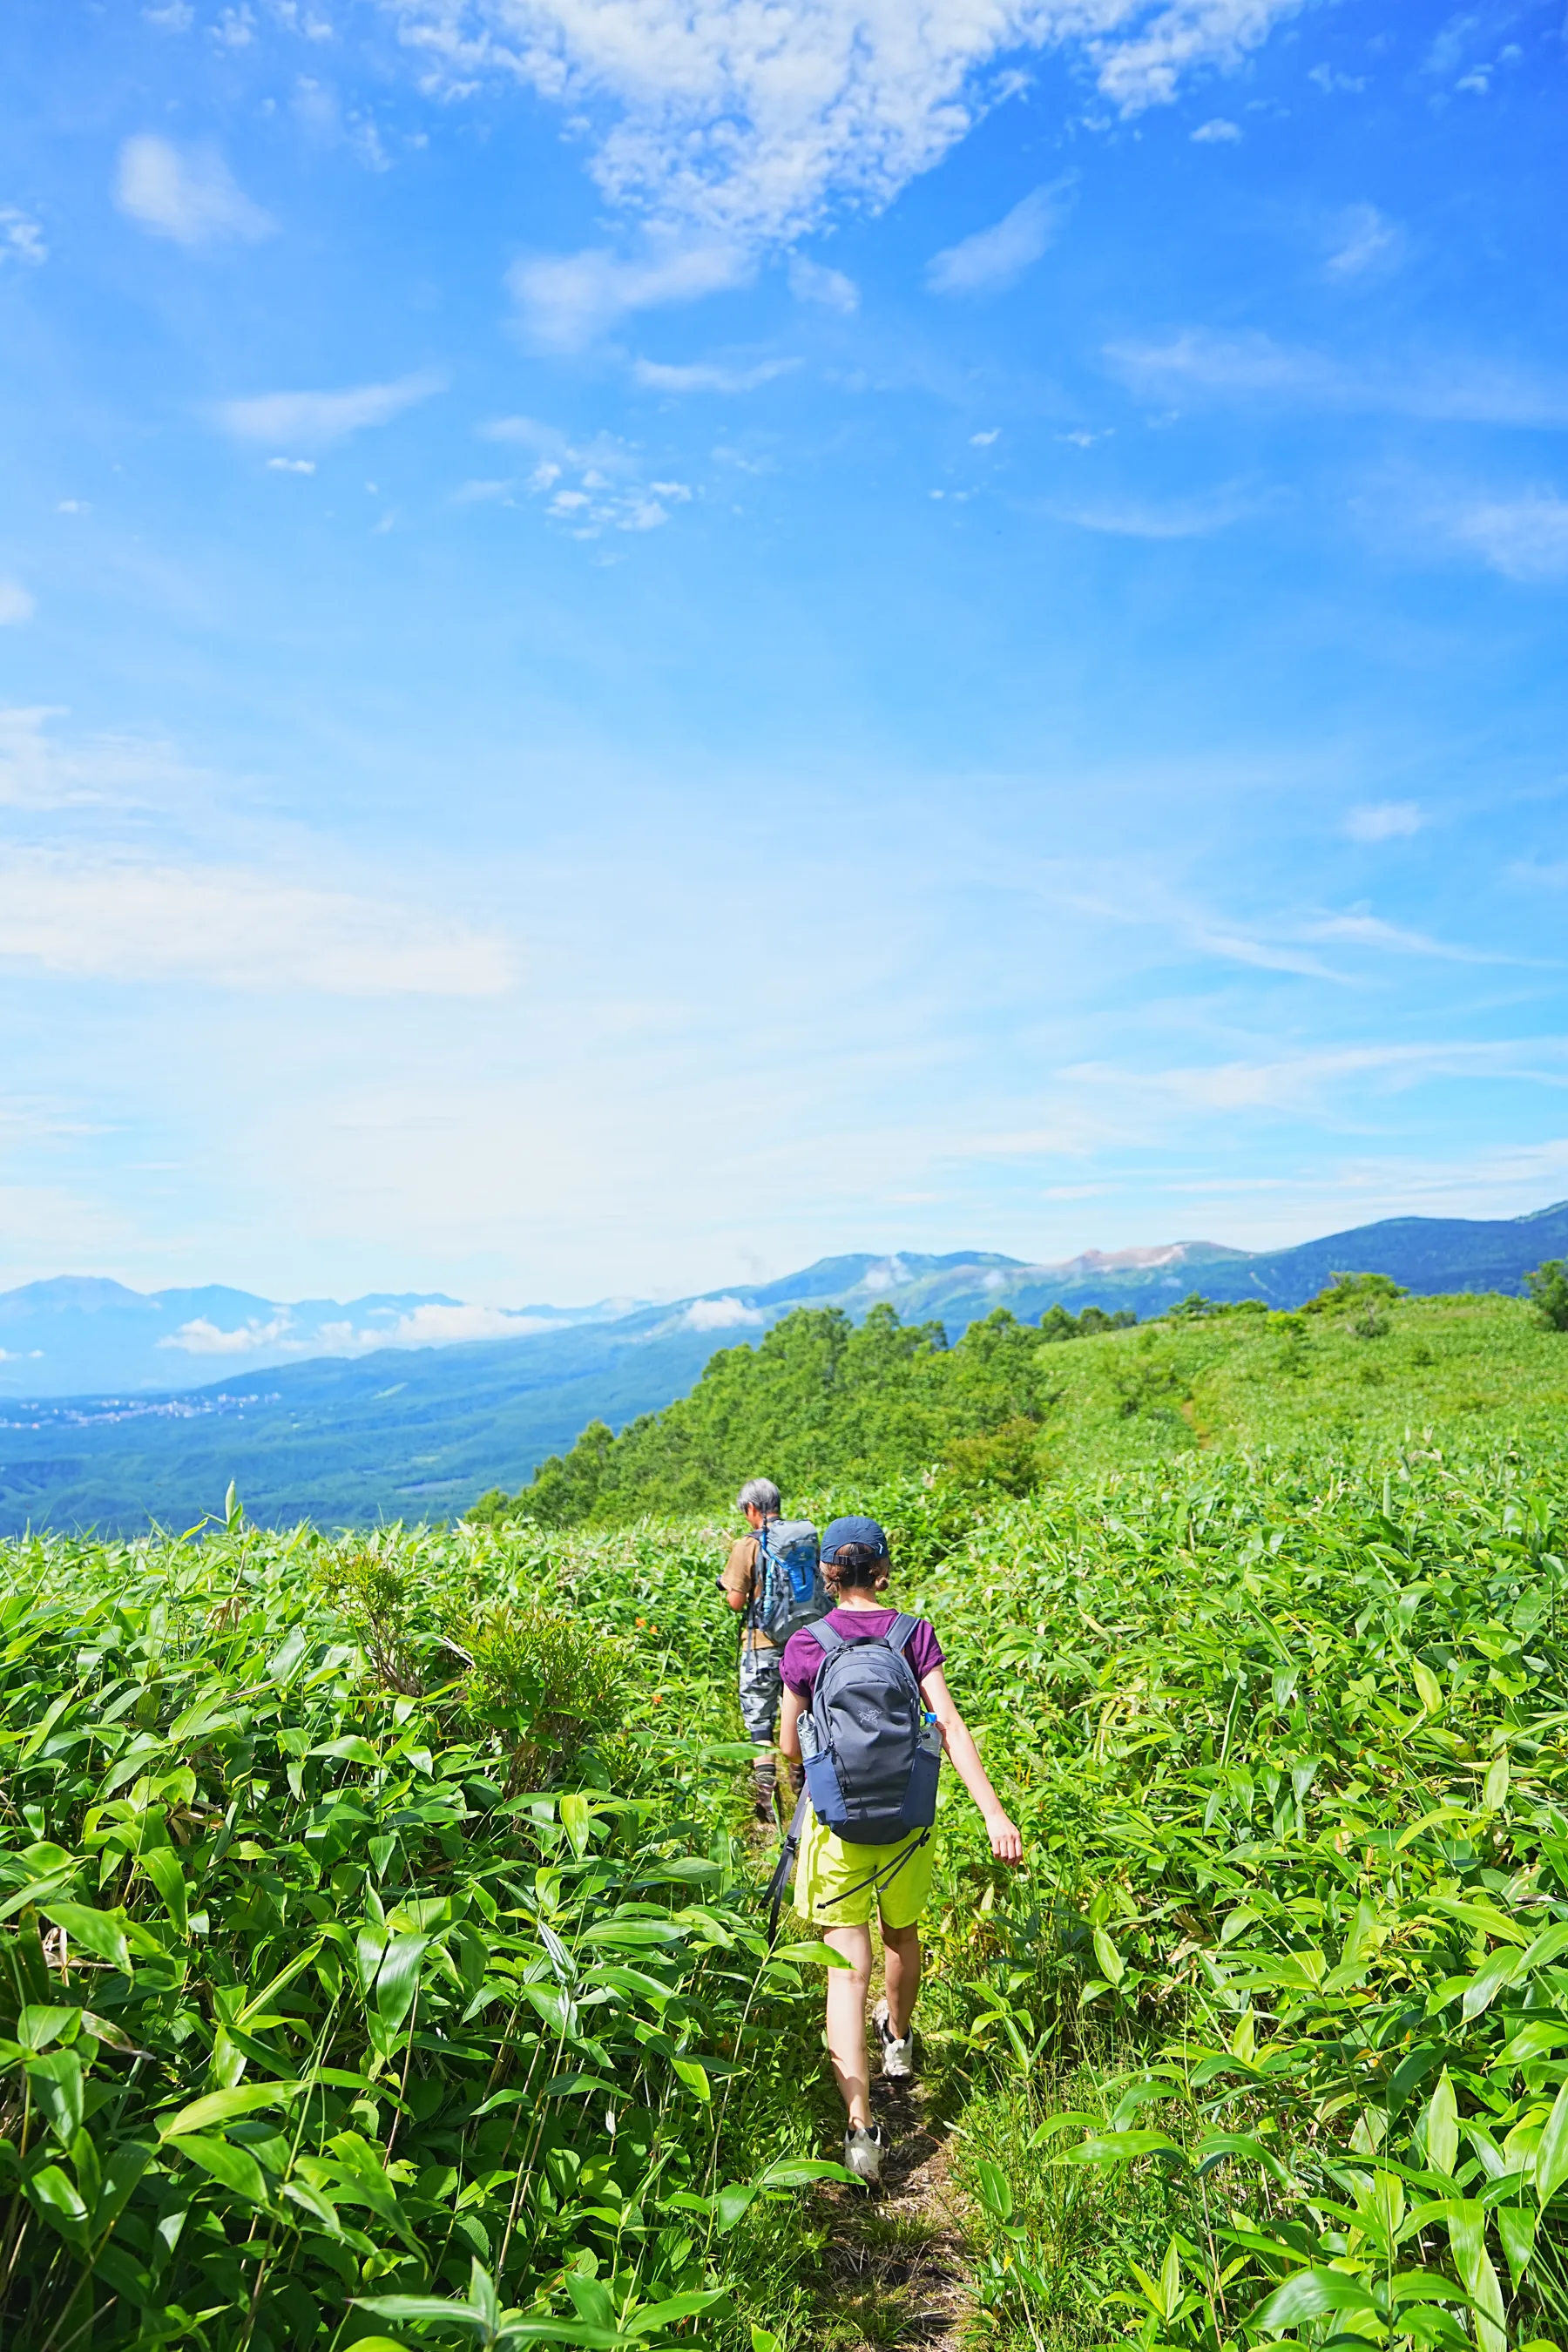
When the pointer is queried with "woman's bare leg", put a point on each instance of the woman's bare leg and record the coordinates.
(847, 2020)
(902, 1970)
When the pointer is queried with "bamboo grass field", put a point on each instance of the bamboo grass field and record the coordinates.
(385, 1955)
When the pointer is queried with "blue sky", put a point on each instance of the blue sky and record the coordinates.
(638, 641)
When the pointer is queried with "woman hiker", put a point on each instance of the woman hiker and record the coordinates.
(836, 1881)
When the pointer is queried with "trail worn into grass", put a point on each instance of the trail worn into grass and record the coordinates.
(895, 2270)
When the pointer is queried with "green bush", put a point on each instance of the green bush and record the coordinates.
(549, 1685)
(1547, 1286)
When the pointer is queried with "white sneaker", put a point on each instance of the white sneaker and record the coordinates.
(898, 2057)
(863, 2153)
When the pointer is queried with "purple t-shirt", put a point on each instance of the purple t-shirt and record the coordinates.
(803, 1654)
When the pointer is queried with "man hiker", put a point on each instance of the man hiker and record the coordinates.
(773, 1577)
(866, 1704)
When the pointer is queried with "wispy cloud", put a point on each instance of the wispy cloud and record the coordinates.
(38, 768)
(1191, 517)
(1364, 930)
(21, 238)
(16, 604)
(315, 418)
(590, 487)
(185, 194)
(1525, 537)
(711, 375)
(1366, 242)
(568, 300)
(1218, 133)
(127, 918)
(830, 290)
(994, 259)
(1300, 1082)
(1374, 821)
(1254, 366)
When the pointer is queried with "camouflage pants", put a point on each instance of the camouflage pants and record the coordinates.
(762, 1691)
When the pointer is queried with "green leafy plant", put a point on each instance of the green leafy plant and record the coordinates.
(1547, 1288)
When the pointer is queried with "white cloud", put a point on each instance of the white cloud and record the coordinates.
(722, 118)
(188, 194)
(710, 376)
(16, 604)
(1366, 241)
(720, 1315)
(202, 1338)
(830, 290)
(1525, 538)
(984, 440)
(1298, 1082)
(318, 417)
(21, 239)
(997, 258)
(1329, 79)
(1385, 821)
(292, 465)
(38, 772)
(567, 300)
(434, 1326)
(1184, 38)
(1364, 930)
(124, 919)
(1254, 365)
(590, 489)
(174, 17)
(1216, 132)
(430, 1326)
(1193, 518)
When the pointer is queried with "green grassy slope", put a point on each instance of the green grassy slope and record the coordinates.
(1011, 1407)
(389, 1959)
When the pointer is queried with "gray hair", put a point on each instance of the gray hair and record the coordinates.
(760, 1495)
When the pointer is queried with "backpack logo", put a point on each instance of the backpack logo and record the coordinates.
(872, 1754)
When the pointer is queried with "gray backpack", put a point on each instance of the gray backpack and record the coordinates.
(872, 1756)
(871, 1750)
(787, 1585)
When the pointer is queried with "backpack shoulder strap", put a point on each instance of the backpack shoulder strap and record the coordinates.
(827, 1637)
(898, 1634)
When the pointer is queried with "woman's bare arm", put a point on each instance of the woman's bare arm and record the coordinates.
(1006, 1843)
(790, 1714)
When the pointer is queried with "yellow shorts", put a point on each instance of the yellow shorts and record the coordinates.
(828, 1867)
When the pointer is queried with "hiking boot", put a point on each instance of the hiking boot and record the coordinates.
(897, 2056)
(863, 2153)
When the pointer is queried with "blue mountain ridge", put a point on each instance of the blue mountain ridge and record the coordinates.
(80, 1334)
(416, 1433)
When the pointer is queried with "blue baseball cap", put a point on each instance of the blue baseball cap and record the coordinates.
(854, 1531)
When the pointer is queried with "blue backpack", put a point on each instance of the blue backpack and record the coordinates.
(872, 1752)
(787, 1581)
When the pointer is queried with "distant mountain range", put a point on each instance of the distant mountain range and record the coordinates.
(79, 1333)
(395, 1407)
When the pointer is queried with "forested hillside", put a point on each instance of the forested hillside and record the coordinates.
(822, 1402)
